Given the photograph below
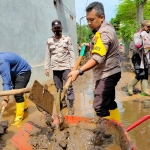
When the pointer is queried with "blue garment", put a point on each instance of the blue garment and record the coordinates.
(11, 65)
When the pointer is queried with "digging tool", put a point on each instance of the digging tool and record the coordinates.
(62, 124)
(43, 99)
(15, 91)
(2, 111)
(39, 94)
(65, 88)
(61, 95)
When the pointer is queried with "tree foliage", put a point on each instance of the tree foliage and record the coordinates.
(140, 2)
(125, 21)
(84, 33)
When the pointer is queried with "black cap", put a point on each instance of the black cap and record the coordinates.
(56, 23)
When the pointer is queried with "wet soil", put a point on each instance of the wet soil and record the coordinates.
(102, 136)
(3, 127)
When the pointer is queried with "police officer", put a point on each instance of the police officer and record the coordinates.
(60, 56)
(105, 63)
(15, 73)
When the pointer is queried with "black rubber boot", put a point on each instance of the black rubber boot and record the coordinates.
(71, 108)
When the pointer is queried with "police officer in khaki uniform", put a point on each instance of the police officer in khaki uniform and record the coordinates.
(106, 67)
(60, 56)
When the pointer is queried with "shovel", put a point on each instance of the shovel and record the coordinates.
(2, 111)
(38, 94)
(15, 91)
(61, 95)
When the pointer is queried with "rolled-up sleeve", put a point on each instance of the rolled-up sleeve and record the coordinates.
(6, 75)
(71, 52)
(47, 57)
(106, 41)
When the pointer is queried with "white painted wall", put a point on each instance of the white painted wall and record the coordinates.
(25, 26)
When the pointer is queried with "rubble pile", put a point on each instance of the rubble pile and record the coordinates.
(3, 127)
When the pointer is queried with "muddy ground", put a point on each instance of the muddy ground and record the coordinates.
(131, 108)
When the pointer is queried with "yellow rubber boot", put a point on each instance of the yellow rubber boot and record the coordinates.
(115, 115)
(107, 117)
(19, 113)
(25, 102)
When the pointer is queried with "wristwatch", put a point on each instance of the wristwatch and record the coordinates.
(80, 72)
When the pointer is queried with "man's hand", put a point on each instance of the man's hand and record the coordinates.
(87, 46)
(47, 72)
(4, 103)
(73, 75)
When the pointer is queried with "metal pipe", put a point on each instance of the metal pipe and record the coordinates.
(81, 29)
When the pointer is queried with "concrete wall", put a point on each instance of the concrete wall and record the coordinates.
(25, 26)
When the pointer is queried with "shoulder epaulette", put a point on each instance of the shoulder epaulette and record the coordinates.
(50, 40)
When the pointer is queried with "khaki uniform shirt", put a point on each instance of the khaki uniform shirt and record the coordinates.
(110, 63)
(59, 53)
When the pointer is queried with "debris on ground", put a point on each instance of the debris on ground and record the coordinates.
(102, 136)
(3, 127)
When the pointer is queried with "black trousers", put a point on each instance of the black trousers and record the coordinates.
(140, 73)
(104, 95)
(59, 77)
(19, 82)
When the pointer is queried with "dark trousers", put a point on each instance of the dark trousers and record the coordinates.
(19, 82)
(140, 73)
(104, 95)
(59, 77)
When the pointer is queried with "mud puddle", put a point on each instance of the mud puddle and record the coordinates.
(131, 111)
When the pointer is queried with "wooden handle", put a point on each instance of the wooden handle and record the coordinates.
(2, 111)
(57, 102)
(15, 91)
(77, 63)
(75, 68)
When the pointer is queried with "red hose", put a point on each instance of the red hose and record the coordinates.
(138, 122)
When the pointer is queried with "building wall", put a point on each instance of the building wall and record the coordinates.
(25, 26)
